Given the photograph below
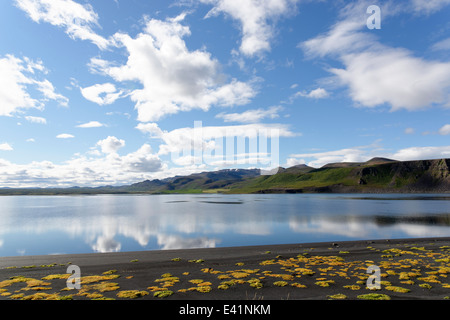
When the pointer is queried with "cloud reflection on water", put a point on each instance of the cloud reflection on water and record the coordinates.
(127, 223)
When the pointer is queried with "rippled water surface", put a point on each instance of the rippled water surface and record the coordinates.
(34, 225)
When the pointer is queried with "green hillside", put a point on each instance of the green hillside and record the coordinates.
(375, 176)
(372, 176)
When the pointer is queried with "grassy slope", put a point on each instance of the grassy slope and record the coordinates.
(394, 176)
(317, 178)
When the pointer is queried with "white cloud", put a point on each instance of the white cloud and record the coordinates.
(5, 147)
(82, 170)
(429, 6)
(77, 19)
(173, 78)
(65, 136)
(111, 144)
(409, 131)
(365, 153)
(445, 130)
(290, 162)
(318, 93)
(251, 115)
(319, 159)
(17, 76)
(48, 90)
(375, 73)
(102, 94)
(151, 129)
(422, 153)
(143, 160)
(39, 120)
(257, 19)
(91, 124)
(442, 45)
(202, 147)
(395, 77)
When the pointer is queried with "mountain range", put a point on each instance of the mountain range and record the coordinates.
(378, 175)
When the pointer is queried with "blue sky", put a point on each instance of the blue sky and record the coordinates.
(109, 91)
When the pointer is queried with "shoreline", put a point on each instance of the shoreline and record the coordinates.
(415, 268)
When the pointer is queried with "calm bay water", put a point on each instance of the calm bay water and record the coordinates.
(35, 225)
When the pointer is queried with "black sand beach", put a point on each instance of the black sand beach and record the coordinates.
(409, 269)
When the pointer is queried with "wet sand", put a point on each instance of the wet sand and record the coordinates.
(410, 269)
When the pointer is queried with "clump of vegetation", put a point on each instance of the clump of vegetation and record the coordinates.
(280, 283)
(374, 296)
(240, 274)
(56, 276)
(42, 296)
(324, 283)
(109, 272)
(298, 285)
(204, 289)
(255, 283)
(352, 287)
(131, 294)
(196, 281)
(196, 260)
(92, 279)
(338, 296)
(162, 294)
(397, 289)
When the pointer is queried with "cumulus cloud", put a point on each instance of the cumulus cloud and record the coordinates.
(257, 19)
(5, 147)
(143, 160)
(17, 77)
(319, 159)
(318, 93)
(84, 170)
(419, 153)
(91, 124)
(65, 136)
(251, 115)
(377, 74)
(77, 19)
(290, 162)
(152, 129)
(111, 144)
(445, 130)
(173, 78)
(396, 78)
(39, 120)
(102, 94)
(365, 153)
(214, 145)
